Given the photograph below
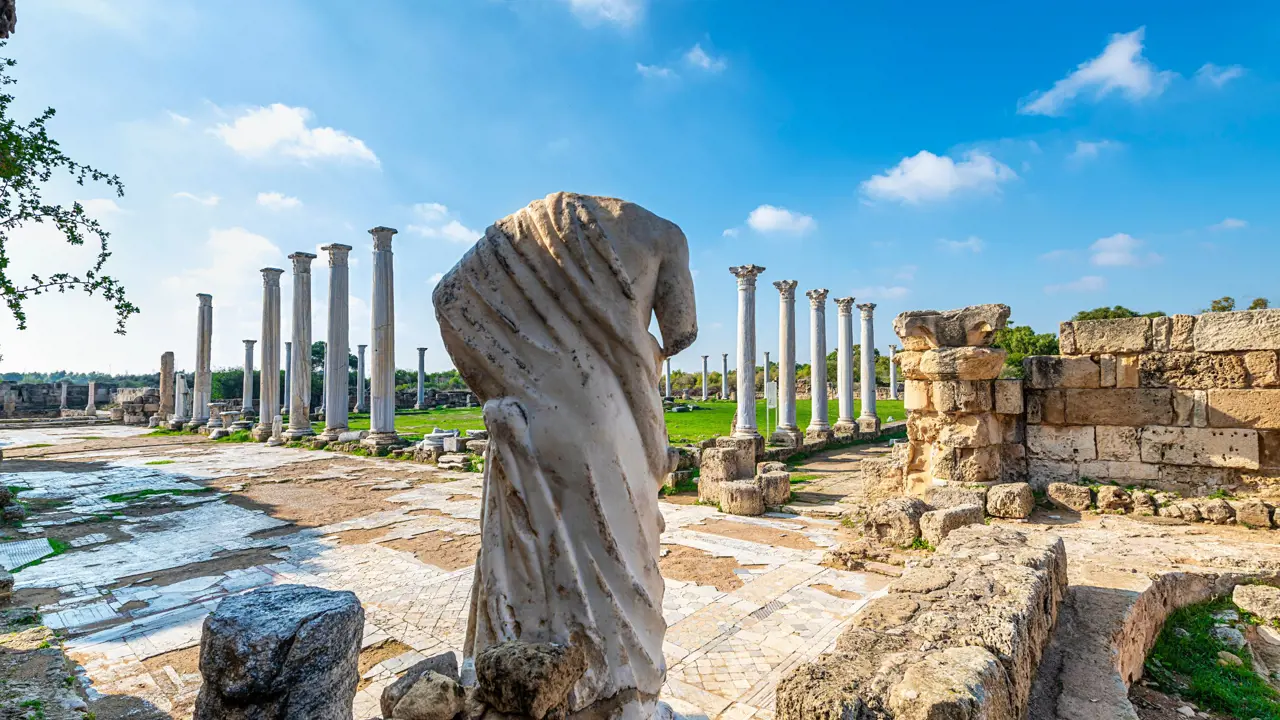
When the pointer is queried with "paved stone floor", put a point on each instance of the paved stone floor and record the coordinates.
(131, 596)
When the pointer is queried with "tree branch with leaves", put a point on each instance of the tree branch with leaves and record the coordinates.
(29, 159)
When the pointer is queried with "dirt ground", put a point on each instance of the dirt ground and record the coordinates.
(758, 533)
(1152, 704)
(697, 566)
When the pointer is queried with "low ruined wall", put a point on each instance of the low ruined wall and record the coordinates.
(1186, 403)
(960, 635)
(45, 399)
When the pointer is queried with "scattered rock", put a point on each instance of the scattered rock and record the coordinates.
(1010, 500)
(1261, 600)
(949, 496)
(6, 586)
(259, 648)
(1189, 511)
(1225, 658)
(444, 664)
(1112, 499)
(770, 466)
(1069, 496)
(432, 697)
(1144, 504)
(895, 521)
(936, 525)
(1252, 513)
(1228, 636)
(1216, 511)
(855, 554)
(528, 678)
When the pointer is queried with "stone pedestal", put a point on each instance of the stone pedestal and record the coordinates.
(422, 380)
(844, 366)
(868, 421)
(300, 389)
(269, 381)
(362, 401)
(337, 378)
(180, 417)
(819, 428)
(382, 411)
(746, 274)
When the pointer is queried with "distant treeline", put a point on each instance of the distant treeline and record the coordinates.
(229, 382)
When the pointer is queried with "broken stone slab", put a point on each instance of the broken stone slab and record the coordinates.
(1112, 499)
(432, 697)
(456, 444)
(445, 664)
(961, 363)
(1010, 500)
(530, 679)
(1237, 331)
(776, 487)
(353, 436)
(1260, 600)
(1121, 335)
(1070, 496)
(895, 521)
(949, 496)
(478, 434)
(973, 326)
(284, 651)
(1252, 513)
(936, 525)
(742, 497)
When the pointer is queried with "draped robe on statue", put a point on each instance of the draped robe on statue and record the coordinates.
(547, 326)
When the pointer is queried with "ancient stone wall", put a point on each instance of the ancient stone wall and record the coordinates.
(45, 399)
(1188, 404)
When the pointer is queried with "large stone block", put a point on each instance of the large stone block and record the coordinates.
(973, 326)
(895, 521)
(284, 651)
(445, 664)
(1125, 473)
(1269, 449)
(1261, 365)
(1201, 447)
(962, 682)
(1128, 371)
(1070, 496)
(1244, 409)
(1008, 397)
(1131, 406)
(1046, 406)
(1048, 372)
(977, 465)
(1161, 333)
(1107, 365)
(1233, 331)
(742, 497)
(1192, 371)
(776, 487)
(936, 525)
(1062, 443)
(1118, 444)
(962, 363)
(917, 396)
(528, 679)
(962, 396)
(1181, 333)
(1123, 335)
(969, 431)
(1040, 473)
(1011, 500)
(1189, 480)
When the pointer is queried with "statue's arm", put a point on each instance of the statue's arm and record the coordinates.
(674, 300)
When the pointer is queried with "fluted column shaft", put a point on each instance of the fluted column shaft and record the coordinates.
(337, 379)
(269, 382)
(179, 400)
(203, 391)
(893, 373)
(666, 369)
(844, 364)
(362, 405)
(868, 364)
(287, 391)
(246, 387)
(382, 421)
(422, 379)
(818, 422)
(724, 376)
(746, 275)
(704, 377)
(786, 354)
(300, 367)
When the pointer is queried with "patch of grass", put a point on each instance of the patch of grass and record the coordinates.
(715, 417)
(239, 436)
(848, 523)
(1187, 664)
(161, 462)
(681, 486)
(362, 452)
(920, 544)
(89, 437)
(803, 477)
(800, 457)
(15, 489)
(33, 445)
(1220, 494)
(139, 494)
(158, 432)
(59, 547)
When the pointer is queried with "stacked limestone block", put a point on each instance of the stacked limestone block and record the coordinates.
(730, 478)
(964, 426)
(1187, 404)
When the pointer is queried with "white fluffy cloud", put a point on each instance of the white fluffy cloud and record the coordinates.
(973, 244)
(209, 199)
(769, 219)
(924, 177)
(697, 57)
(1230, 224)
(1216, 75)
(655, 71)
(1088, 150)
(282, 130)
(437, 222)
(1120, 68)
(1086, 284)
(1120, 250)
(617, 12)
(278, 201)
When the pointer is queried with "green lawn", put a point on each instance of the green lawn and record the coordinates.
(710, 419)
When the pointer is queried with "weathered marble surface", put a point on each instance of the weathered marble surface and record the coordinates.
(546, 319)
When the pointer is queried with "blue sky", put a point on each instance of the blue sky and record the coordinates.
(914, 155)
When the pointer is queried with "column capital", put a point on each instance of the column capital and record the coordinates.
(204, 298)
(746, 274)
(818, 297)
(271, 276)
(382, 237)
(249, 343)
(420, 350)
(302, 262)
(704, 357)
(844, 305)
(337, 254)
(786, 288)
(724, 355)
(361, 348)
(893, 348)
(866, 309)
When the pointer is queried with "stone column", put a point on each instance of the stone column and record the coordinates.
(246, 391)
(300, 365)
(166, 388)
(787, 433)
(746, 275)
(362, 405)
(422, 380)
(819, 427)
(867, 420)
(91, 409)
(324, 376)
(382, 411)
(287, 390)
(704, 377)
(893, 373)
(269, 373)
(666, 370)
(724, 376)
(337, 378)
(844, 365)
(202, 393)
(179, 418)
(66, 386)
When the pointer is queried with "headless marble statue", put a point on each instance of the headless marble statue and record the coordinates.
(547, 319)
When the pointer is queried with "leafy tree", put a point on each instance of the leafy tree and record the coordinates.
(1112, 313)
(1226, 303)
(1019, 341)
(1259, 304)
(28, 160)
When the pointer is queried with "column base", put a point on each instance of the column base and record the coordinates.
(361, 409)
(195, 425)
(381, 440)
(331, 434)
(176, 424)
(261, 432)
(787, 437)
(845, 427)
(869, 425)
(241, 425)
(819, 434)
(297, 433)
